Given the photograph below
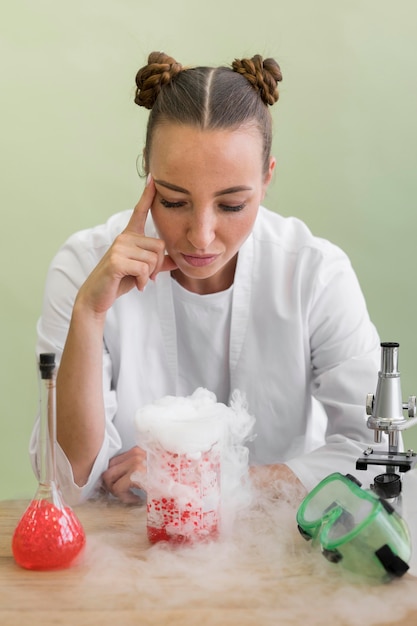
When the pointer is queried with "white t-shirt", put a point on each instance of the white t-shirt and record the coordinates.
(203, 337)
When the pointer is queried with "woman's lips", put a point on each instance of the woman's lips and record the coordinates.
(199, 261)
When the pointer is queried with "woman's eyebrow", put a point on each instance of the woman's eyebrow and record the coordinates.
(223, 192)
(233, 190)
(164, 183)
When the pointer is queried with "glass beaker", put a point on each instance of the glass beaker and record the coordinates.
(183, 439)
(49, 534)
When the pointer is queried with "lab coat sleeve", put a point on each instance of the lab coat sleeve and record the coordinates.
(345, 357)
(66, 274)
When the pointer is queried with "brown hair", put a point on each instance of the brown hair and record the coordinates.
(207, 97)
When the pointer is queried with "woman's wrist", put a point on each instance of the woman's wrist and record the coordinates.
(83, 313)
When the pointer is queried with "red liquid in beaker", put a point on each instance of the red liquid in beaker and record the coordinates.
(47, 537)
(191, 511)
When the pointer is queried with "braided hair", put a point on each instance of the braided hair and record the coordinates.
(209, 98)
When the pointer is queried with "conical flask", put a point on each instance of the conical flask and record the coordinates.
(49, 535)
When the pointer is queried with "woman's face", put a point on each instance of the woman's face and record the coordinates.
(209, 185)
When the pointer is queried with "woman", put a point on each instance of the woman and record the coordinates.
(200, 286)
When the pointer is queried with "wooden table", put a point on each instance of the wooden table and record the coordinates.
(261, 574)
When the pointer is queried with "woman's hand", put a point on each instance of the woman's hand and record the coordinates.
(131, 261)
(117, 479)
(278, 480)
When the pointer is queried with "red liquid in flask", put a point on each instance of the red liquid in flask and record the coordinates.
(47, 537)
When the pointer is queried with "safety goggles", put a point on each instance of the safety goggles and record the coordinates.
(356, 528)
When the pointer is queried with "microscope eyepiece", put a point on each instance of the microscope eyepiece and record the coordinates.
(389, 359)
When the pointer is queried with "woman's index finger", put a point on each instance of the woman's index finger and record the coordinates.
(140, 212)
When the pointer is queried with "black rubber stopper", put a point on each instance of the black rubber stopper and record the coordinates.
(47, 364)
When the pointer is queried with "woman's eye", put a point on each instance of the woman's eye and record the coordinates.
(232, 207)
(171, 205)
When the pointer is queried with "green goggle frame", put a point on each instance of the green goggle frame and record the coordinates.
(355, 527)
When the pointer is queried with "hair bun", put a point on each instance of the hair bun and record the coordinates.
(161, 69)
(263, 75)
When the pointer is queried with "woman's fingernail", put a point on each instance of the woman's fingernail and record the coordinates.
(148, 179)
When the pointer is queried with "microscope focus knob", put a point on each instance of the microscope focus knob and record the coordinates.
(411, 406)
(369, 403)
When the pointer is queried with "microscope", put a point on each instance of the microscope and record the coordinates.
(363, 528)
(386, 411)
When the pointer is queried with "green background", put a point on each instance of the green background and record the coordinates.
(345, 141)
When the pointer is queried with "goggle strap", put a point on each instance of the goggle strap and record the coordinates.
(353, 479)
(304, 533)
(387, 506)
(393, 564)
(334, 556)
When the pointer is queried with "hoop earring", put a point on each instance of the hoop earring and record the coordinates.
(140, 166)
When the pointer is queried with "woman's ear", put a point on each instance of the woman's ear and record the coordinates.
(268, 175)
(141, 164)
(145, 163)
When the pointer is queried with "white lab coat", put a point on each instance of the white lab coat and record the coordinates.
(299, 330)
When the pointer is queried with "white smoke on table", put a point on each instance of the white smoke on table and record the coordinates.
(260, 567)
(263, 568)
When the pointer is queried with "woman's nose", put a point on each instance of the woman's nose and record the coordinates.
(201, 229)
